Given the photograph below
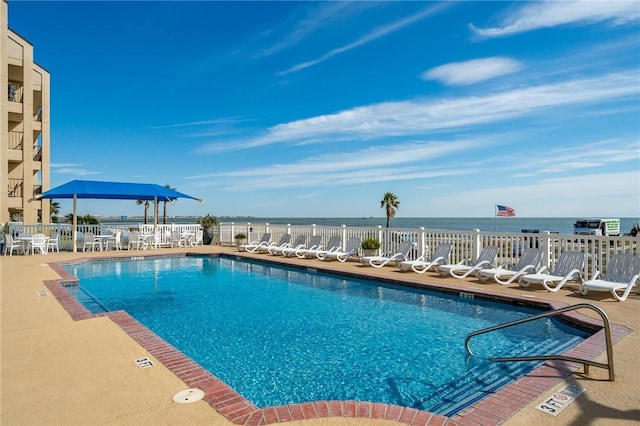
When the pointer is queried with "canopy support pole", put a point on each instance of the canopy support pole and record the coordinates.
(74, 230)
(155, 213)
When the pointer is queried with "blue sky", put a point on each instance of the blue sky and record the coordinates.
(287, 109)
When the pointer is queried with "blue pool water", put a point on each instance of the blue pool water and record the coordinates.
(282, 335)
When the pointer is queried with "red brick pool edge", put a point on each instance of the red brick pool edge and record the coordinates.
(494, 409)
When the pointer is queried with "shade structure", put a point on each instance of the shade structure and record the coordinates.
(78, 189)
(113, 191)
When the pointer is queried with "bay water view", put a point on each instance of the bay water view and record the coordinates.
(562, 225)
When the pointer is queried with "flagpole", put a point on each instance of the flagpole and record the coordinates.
(495, 215)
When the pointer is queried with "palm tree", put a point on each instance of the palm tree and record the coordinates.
(54, 208)
(164, 216)
(390, 202)
(146, 209)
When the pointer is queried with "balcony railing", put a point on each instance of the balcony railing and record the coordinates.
(15, 188)
(37, 153)
(37, 190)
(15, 140)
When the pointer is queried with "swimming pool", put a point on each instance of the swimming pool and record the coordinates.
(283, 335)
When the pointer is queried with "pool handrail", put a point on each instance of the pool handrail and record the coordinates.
(586, 363)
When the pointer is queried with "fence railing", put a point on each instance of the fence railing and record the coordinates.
(466, 245)
(64, 231)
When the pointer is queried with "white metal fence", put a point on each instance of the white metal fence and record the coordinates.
(64, 230)
(465, 244)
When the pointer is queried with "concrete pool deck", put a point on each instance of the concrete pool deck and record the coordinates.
(57, 370)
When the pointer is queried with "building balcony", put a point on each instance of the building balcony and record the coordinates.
(15, 140)
(16, 188)
(15, 92)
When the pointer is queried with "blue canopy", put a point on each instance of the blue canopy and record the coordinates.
(113, 191)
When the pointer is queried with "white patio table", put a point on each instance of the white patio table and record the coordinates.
(102, 240)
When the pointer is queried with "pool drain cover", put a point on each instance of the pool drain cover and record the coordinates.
(187, 396)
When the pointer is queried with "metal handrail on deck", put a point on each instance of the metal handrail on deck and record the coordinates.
(586, 363)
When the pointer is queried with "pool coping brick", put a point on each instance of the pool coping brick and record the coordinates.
(494, 409)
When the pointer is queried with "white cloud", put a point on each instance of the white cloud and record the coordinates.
(218, 121)
(71, 169)
(368, 38)
(567, 159)
(547, 14)
(409, 118)
(316, 18)
(388, 163)
(473, 71)
(614, 194)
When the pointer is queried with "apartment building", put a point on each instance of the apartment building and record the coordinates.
(24, 129)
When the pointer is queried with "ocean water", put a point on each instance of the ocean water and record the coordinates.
(562, 225)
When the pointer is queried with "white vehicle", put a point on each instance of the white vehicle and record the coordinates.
(600, 227)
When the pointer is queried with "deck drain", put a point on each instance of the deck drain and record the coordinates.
(188, 396)
(144, 362)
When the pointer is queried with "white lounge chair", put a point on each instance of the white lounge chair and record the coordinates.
(353, 245)
(318, 253)
(255, 245)
(314, 243)
(486, 259)
(568, 268)
(623, 273)
(507, 273)
(297, 244)
(422, 264)
(285, 239)
(399, 256)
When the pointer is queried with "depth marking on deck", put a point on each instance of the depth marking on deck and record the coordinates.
(42, 292)
(559, 400)
(144, 362)
(466, 295)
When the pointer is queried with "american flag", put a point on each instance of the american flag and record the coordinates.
(505, 211)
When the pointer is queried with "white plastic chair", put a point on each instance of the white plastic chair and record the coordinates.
(10, 244)
(255, 245)
(420, 266)
(319, 252)
(134, 240)
(38, 241)
(115, 241)
(379, 261)
(486, 259)
(568, 268)
(623, 273)
(89, 240)
(353, 245)
(528, 263)
(199, 237)
(53, 243)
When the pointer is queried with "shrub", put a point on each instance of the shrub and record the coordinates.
(207, 222)
(370, 244)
